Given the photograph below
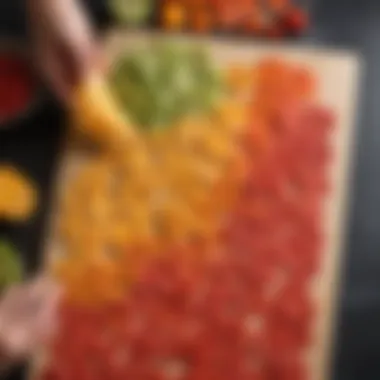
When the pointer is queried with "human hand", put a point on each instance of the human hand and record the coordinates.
(63, 41)
(27, 317)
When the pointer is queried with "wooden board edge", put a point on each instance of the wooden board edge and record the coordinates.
(342, 201)
(267, 46)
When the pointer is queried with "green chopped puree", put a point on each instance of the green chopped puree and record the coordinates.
(160, 84)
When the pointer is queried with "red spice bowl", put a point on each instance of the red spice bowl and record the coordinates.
(19, 86)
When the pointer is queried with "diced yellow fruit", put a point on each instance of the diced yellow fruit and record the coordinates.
(96, 114)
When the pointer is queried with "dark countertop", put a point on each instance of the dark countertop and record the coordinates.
(346, 23)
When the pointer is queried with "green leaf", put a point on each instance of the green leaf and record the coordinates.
(10, 264)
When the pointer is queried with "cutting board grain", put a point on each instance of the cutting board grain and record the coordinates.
(338, 74)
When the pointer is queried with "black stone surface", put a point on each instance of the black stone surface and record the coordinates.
(352, 24)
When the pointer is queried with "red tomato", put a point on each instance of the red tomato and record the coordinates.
(295, 20)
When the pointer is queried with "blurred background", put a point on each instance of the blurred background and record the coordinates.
(351, 24)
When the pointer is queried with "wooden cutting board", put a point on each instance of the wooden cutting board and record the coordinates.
(338, 74)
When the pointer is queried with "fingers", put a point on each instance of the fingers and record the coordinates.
(64, 44)
(13, 333)
(27, 315)
(64, 67)
(55, 76)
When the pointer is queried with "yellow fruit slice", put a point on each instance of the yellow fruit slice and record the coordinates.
(18, 197)
(96, 114)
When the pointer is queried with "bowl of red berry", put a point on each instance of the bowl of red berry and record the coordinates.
(20, 92)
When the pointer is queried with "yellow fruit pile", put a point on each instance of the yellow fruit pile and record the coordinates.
(159, 189)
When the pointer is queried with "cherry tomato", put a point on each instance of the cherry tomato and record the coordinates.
(295, 20)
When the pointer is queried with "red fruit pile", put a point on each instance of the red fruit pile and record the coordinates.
(245, 315)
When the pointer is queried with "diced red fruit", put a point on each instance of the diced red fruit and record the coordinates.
(295, 21)
(275, 31)
(278, 5)
(254, 21)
